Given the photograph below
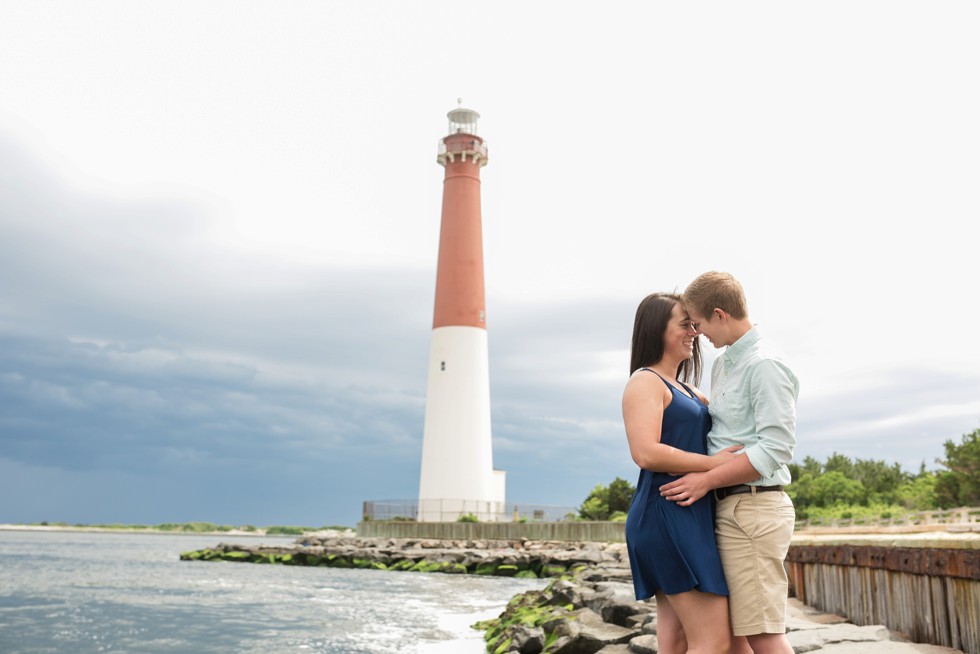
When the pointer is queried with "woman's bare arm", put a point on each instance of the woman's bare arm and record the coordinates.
(644, 400)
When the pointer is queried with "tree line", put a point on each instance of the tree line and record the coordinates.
(842, 487)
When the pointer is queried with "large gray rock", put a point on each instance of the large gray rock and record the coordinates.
(621, 591)
(644, 622)
(586, 616)
(618, 612)
(583, 556)
(527, 640)
(563, 628)
(565, 593)
(596, 599)
(645, 644)
(594, 635)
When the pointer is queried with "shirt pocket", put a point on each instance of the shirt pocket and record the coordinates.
(730, 408)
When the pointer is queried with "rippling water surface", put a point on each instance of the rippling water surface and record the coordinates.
(93, 592)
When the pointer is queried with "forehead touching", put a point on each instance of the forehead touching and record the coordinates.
(693, 314)
(678, 312)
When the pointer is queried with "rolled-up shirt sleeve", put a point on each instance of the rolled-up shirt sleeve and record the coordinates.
(773, 391)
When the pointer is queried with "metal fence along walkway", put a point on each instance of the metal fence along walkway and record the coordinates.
(454, 510)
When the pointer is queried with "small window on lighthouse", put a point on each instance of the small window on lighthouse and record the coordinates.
(483, 316)
(442, 365)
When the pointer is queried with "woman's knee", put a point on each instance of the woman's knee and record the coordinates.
(671, 640)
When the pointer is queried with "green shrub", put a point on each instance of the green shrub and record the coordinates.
(287, 531)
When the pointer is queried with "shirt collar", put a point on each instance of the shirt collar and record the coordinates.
(734, 351)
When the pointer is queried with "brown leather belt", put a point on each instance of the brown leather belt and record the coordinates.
(722, 493)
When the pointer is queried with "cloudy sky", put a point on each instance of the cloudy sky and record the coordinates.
(219, 224)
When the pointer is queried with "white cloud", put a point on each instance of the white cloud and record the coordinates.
(235, 229)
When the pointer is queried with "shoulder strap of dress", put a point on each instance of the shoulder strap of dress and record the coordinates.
(690, 394)
(687, 388)
(658, 375)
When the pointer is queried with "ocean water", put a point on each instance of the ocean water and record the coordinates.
(81, 593)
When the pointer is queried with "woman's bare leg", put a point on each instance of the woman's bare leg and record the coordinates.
(704, 619)
(670, 634)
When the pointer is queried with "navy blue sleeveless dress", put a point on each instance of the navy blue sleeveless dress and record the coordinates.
(672, 548)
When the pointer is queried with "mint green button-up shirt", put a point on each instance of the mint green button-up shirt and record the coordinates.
(753, 404)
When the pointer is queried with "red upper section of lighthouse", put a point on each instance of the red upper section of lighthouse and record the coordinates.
(459, 278)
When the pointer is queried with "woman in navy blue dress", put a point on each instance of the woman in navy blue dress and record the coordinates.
(672, 549)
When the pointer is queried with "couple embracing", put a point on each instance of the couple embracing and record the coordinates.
(710, 524)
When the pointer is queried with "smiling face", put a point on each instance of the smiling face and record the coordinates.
(712, 326)
(662, 331)
(680, 334)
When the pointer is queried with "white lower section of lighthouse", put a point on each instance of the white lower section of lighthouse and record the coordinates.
(457, 475)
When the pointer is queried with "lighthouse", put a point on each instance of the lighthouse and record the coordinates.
(457, 476)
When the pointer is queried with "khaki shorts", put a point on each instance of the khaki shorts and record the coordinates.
(753, 532)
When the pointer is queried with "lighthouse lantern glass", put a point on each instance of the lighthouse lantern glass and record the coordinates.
(463, 121)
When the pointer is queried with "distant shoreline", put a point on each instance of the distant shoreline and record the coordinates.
(257, 532)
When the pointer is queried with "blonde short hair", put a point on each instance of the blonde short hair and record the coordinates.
(716, 290)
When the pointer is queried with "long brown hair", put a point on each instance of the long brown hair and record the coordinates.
(649, 328)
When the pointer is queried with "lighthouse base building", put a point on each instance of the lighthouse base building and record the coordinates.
(457, 476)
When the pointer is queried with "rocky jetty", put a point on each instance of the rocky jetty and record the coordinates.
(588, 608)
(602, 617)
(519, 558)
